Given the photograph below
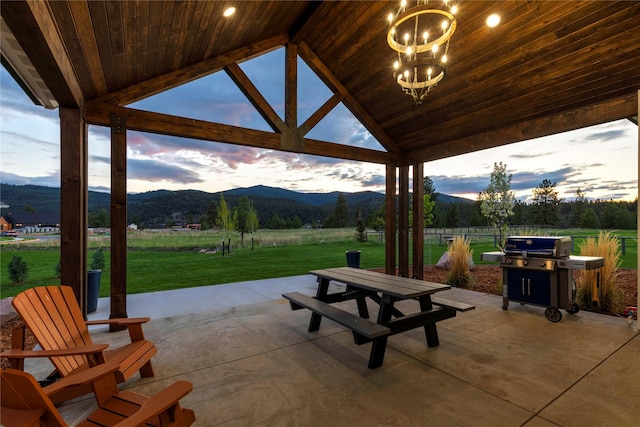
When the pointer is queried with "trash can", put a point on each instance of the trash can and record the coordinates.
(353, 259)
(93, 289)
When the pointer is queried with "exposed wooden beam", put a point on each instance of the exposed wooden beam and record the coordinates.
(614, 109)
(255, 97)
(146, 121)
(320, 113)
(32, 23)
(350, 102)
(193, 72)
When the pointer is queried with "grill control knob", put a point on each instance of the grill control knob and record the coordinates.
(525, 262)
(542, 263)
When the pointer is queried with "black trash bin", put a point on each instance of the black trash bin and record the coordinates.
(93, 289)
(353, 259)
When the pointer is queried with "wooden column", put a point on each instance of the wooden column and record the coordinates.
(403, 221)
(118, 218)
(390, 222)
(638, 210)
(73, 203)
(418, 221)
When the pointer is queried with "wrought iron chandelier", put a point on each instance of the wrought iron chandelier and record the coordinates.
(420, 35)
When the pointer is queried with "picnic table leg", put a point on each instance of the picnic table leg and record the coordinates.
(363, 311)
(380, 344)
(321, 294)
(430, 328)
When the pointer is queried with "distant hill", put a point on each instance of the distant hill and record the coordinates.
(155, 208)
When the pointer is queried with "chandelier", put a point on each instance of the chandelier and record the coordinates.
(420, 35)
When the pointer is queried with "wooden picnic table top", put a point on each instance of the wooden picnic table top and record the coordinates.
(398, 287)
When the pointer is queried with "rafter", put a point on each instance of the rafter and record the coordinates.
(349, 101)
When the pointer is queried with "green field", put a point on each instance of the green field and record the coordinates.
(172, 260)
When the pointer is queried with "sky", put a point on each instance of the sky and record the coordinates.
(600, 160)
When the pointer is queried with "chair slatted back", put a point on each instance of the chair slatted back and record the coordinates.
(54, 317)
(21, 391)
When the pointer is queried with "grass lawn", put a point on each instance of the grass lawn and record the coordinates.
(169, 260)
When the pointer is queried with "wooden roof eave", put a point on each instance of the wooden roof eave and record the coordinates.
(612, 109)
(185, 75)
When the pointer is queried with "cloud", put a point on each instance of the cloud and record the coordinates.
(52, 180)
(152, 170)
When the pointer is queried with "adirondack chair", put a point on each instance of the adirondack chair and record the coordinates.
(54, 317)
(24, 403)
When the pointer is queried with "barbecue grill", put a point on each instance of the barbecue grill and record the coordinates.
(539, 271)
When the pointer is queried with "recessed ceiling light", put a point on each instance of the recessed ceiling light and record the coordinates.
(229, 11)
(493, 20)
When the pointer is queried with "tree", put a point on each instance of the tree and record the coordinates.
(588, 219)
(226, 219)
(453, 215)
(340, 216)
(546, 203)
(99, 219)
(497, 200)
(361, 229)
(242, 211)
(18, 269)
(429, 199)
(578, 207)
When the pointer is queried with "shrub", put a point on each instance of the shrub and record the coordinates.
(608, 296)
(58, 269)
(18, 269)
(459, 269)
(97, 260)
(361, 231)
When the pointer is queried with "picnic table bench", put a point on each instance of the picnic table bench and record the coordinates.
(384, 290)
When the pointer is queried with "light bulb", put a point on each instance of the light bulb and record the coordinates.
(434, 49)
(426, 37)
(229, 11)
(406, 37)
(445, 25)
(454, 10)
(396, 65)
(406, 73)
(444, 58)
(403, 3)
(493, 20)
(409, 51)
(390, 17)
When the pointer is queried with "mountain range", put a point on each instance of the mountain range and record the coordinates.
(154, 208)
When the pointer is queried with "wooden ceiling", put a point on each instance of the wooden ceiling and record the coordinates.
(551, 66)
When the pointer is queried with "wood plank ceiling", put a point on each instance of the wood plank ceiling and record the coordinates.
(551, 66)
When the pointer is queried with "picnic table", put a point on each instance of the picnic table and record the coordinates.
(385, 290)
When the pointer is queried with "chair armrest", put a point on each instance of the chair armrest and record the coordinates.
(75, 351)
(158, 403)
(133, 325)
(85, 377)
(119, 321)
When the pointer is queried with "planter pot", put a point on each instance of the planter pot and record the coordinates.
(93, 289)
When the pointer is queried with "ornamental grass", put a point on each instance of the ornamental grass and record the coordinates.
(460, 255)
(606, 295)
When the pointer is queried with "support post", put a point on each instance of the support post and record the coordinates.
(118, 219)
(73, 203)
(390, 221)
(418, 221)
(403, 222)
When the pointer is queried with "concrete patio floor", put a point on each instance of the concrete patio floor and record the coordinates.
(253, 363)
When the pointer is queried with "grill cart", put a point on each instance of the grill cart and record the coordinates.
(538, 270)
